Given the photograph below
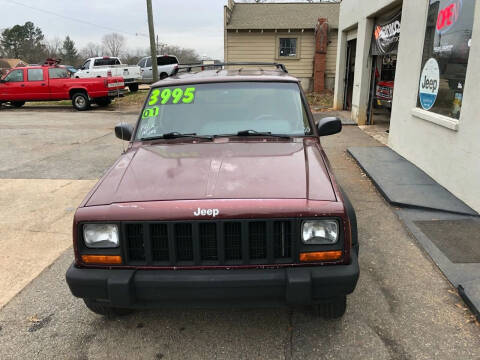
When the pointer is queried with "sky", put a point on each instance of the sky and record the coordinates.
(196, 24)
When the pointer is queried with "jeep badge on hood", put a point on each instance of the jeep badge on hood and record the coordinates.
(203, 212)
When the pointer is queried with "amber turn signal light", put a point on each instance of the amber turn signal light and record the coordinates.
(102, 259)
(321, 256)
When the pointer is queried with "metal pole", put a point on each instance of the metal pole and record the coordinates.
(153, 49)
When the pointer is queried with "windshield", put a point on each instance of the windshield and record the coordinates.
(224, 108)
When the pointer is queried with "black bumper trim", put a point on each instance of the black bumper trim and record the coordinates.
(155, 288)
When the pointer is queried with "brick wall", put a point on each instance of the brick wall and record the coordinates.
(320, 59)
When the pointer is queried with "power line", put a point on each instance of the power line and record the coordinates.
(73, 19)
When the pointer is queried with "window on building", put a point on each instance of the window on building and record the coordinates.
(445, 56)
(287, 47)
(35, 75)
(14, 76)
(58, 73)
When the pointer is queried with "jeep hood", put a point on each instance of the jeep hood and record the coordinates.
(218, 170)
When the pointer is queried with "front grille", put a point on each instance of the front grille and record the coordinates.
(184, 242)
(209, 243)
(257, 236)
(384, 92)
(135, 242)
(159, 238)
(233, 240)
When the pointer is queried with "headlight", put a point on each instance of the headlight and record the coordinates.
(320, 232)
(100, 235)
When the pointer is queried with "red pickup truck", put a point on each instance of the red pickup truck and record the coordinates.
(49, 83)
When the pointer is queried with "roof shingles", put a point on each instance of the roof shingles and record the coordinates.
(270, 16)
(11, 63)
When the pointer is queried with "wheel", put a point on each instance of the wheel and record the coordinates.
(163, 76)
(17, 104)
(108, 311)
(133, 87)
(103, 102)
(332, 309)
(80, 101)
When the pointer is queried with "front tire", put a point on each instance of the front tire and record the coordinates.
(332, 309)
(80, 101)
(17, 104)
(133, 87)
(107, 311)
(163, 76)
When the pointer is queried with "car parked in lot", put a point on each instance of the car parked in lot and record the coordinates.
(53, 82)
(223, 197)
(106, 66)
(167, 66)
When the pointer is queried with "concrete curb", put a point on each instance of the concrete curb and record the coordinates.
(471, 296)
(464, 277)
(416, 189)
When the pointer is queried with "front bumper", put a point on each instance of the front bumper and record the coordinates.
(198, 288)
(384, 103)
(128, 81)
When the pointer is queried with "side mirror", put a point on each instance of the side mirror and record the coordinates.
(329, 126)
(124, 131)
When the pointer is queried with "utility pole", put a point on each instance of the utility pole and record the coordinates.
(153, 49)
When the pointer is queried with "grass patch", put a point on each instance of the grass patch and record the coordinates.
(129, 100)
(132, 99)
(49, 103)
(320, 101)
(135, 100)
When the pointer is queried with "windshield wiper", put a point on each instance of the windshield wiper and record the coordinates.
(255, 133)
(176, 135)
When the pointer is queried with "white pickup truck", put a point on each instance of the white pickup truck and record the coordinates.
(111, 66)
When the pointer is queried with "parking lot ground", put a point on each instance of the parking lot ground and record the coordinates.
(35, 226)
(403, 307)
(48, 163)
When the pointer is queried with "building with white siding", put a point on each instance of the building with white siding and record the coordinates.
(433, 49)
(303, 36)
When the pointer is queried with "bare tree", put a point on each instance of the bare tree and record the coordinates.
(134, 56)
(113, 44)
(184, 55)
(53, 47)
(91, 50)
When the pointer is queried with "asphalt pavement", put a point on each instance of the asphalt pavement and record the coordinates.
(403, 307)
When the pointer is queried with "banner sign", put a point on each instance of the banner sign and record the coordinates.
(386, 35)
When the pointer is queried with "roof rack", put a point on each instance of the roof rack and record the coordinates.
(189, 67)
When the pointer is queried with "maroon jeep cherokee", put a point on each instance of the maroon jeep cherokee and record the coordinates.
(223, 197)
